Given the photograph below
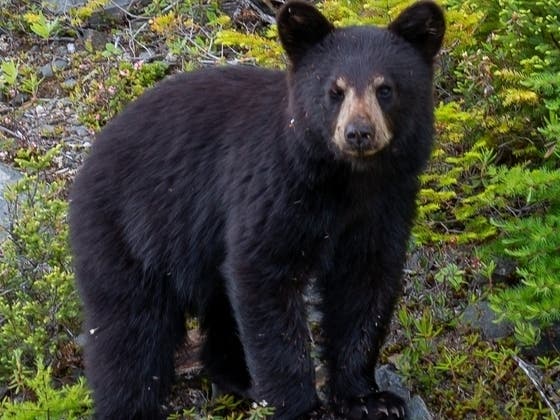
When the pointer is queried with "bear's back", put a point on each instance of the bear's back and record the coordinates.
(157, 170)
(190, 111)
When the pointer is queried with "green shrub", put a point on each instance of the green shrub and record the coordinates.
(39, 309)
(48, 402)
(107, 95)
(264, 49)
(512, 73)
(533, 242)
(488, 184)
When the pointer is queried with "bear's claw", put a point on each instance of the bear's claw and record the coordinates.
(378, 406)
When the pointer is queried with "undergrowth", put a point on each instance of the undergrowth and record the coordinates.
(39, 306)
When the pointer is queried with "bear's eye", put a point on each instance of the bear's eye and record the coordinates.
(384, 92)
(336, 92)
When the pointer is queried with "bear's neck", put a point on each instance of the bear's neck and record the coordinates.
(307, 160)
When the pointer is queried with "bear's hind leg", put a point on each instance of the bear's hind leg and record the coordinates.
(132, 335)
(222, 353)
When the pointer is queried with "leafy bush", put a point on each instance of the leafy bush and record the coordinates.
(39, 309)
(48, 402)
(511, 73)
(499, 133)
(106, 96)
(534, 243)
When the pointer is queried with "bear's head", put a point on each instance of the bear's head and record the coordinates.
(367, 91)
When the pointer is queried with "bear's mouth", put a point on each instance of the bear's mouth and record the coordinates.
(362, 153)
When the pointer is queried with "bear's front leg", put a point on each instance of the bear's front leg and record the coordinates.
(359, 294)
(269, 308)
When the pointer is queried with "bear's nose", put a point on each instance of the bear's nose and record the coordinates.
(358, 134)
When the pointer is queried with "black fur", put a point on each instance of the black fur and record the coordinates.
(219, 193)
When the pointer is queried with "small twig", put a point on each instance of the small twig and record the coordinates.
(150, 59)
(140, 29)
(134, 40)
(126, 12)
(206, 52)
(63, 38)
(535, 378)
(172, 5)
(11, 133)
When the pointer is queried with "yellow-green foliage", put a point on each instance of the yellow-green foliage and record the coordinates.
(39, 306)
(66, 402)
(9, 71)
(533, 241)
(369, 12)
(107, 95)
(501, 73)
(459, 165)
(262, 50)
(40, 25)
(81, 13)
(468, 379)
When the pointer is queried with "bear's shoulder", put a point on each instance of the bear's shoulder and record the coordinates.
(208, 100)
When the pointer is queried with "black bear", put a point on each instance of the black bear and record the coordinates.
(220, 193)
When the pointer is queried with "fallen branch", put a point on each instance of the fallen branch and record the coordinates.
(536, 378)
(15, 134)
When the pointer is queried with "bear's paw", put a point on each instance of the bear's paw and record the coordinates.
(378, 406)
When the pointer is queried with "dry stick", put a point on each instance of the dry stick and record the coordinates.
(11, 133)
(126, 12)
(535, 377)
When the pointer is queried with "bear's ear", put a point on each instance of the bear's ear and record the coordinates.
(422, 25)
(300, 26)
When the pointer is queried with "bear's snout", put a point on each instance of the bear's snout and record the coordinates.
(362, 128)
(360, 135)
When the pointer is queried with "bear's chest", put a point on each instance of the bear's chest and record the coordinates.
(307, 230)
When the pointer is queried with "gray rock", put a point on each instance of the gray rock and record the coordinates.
(81, 339)
(69, 84)
(63, 6)
(40, 110)
(505, 271)
(49, 69)
(47, 130)
(61, 51)
(81, 131)
(480, 316)
(113, 8)
(96, 39)
(19, 99)
(7, 176)
(59, 64)
(388, 380)
(146, 55)
(417, 409)
(547, 346)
